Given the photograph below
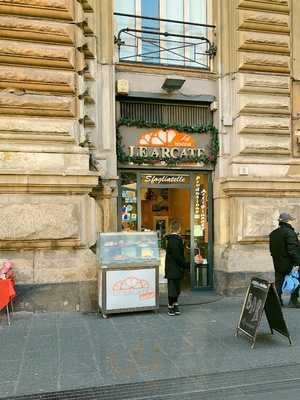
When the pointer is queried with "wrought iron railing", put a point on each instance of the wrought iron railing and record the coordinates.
(164, 41)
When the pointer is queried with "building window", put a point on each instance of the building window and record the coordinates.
(177, 34)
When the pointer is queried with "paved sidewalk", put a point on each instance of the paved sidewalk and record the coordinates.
(59, 351)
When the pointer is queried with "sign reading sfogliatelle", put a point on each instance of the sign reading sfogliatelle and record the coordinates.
(164, 179)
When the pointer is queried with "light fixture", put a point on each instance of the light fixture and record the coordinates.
(172, 84)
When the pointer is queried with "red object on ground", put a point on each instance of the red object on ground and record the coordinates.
(7, 292)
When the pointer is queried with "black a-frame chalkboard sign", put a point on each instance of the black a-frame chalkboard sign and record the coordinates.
(261, 296)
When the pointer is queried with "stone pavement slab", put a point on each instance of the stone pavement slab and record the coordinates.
(60, 351)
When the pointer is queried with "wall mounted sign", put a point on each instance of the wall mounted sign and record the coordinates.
(162, 179)
(163, 145)
(154, 144)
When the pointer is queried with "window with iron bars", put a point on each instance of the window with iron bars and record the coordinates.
(168, 113)
(170, 32)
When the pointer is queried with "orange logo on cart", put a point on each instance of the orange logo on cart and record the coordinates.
(166, 138)
(147, 296)
(130, 285)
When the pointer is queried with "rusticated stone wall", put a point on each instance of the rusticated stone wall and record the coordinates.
(256, 72)
(259, 169)
(264, 54)
(47, 109)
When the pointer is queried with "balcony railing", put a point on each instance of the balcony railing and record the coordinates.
(163, 41)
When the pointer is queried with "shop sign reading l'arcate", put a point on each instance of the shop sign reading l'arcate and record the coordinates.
(163, 144)
(163, 153)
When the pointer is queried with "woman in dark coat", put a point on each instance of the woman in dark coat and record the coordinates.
(174, 266)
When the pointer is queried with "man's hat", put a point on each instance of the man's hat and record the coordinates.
(285, 217)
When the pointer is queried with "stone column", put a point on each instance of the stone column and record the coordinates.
(104, 137)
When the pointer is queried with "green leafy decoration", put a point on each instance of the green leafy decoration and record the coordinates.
(210, 157)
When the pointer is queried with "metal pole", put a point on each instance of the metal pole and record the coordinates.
(161, 34)
(7, 313)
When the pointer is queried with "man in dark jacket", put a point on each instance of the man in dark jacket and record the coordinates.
(174, 267)
(285, 251)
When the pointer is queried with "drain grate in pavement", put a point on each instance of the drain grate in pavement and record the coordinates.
(225, 385)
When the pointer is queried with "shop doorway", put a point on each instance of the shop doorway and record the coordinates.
(159, 206)
(150, 200)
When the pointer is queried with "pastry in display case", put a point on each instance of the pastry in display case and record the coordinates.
(128, 248)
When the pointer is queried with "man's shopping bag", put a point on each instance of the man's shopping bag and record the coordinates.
(291, 281)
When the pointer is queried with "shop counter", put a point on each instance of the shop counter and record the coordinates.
(129, 270)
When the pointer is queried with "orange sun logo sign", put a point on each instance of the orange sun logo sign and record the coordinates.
(166, 138)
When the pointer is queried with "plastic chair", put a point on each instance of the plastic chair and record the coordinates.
(7, 294)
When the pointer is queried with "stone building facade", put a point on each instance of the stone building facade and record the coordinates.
(258, 173)
(53, 201)
(58, 165)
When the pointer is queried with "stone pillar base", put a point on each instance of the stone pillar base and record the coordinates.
(54, 280)
(236, 283)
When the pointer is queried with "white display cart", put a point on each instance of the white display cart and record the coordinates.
(128, 274)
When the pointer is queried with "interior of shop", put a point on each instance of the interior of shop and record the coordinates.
(159, 206)
(153, 208)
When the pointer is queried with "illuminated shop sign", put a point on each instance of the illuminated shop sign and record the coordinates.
(163, 153)
(159, 179)
(163, 145)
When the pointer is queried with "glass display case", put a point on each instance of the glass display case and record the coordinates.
(128, 274)
(124, 248)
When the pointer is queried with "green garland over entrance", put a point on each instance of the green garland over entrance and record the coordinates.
(209, 157)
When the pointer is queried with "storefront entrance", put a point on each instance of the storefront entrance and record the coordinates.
(149, 200)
